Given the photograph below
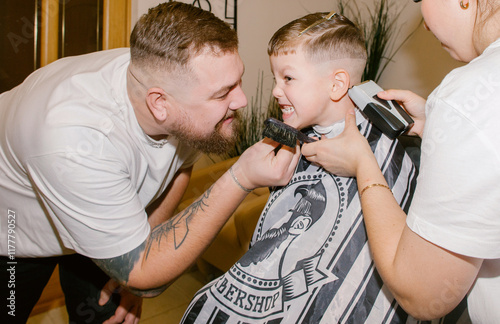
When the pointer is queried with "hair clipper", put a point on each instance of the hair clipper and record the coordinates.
(388, 116)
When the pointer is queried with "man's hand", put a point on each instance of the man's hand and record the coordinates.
(261, 166)
(130, 308)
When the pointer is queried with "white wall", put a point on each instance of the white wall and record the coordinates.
(419, 65)
(140, 7)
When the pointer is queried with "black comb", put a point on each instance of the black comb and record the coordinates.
(283, 133)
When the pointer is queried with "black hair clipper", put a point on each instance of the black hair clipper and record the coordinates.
(388, 116)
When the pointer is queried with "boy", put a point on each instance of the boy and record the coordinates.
(309, 260)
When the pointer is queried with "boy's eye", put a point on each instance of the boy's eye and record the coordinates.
(287, 78)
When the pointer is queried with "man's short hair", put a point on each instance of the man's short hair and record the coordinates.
(332, 39)
(172, 33)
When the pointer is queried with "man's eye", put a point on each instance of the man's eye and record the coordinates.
(224, 96)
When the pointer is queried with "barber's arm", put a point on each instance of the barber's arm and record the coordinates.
(163, 208)
(160, 210)
(175, 244)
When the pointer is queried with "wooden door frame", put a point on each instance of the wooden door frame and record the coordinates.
(116, 15)
(116, 27)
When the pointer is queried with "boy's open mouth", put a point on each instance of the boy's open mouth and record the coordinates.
(287, 109)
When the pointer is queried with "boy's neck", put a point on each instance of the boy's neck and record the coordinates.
(337, 112)
(335, 128)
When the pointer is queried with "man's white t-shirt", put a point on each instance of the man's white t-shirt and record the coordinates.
(76, 169)
(457, 199)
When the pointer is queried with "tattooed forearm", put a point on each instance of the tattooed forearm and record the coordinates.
(179, 224)
(119, 268)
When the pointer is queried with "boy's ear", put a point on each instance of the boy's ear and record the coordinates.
(340, 84)
(156, 99)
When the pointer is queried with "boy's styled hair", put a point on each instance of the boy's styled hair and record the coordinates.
(172, 33)
(332, 39)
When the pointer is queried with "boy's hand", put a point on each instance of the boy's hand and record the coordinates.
(412, 103)
(260, 166)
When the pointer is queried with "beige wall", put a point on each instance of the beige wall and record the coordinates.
(419, 65)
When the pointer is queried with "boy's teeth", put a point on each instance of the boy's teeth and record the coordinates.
(287, 109)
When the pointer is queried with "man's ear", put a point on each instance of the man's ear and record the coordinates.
(156, 99)
(340, 81)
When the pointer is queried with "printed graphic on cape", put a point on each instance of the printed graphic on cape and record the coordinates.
(285, 266)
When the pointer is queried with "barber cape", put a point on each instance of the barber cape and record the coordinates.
(309, 259)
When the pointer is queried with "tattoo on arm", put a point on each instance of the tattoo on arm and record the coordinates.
(179, 224)
(119, 267)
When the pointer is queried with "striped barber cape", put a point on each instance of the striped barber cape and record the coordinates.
(309, 259)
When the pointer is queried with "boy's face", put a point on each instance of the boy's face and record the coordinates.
(303, 90)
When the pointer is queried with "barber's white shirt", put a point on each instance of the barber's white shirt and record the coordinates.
(76, 169)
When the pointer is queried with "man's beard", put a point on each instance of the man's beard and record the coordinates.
(214, 143)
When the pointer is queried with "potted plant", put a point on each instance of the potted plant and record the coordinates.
(380, 25)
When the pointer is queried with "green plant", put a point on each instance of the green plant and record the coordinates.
(253, 119)
(381, 29)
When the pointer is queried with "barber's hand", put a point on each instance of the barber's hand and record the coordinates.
(412, 103)
(344, 154)
(260, 166)
(130, 308)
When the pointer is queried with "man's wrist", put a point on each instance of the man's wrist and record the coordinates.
(237, 182)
